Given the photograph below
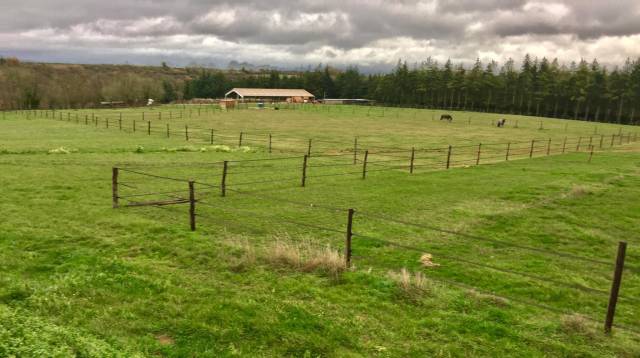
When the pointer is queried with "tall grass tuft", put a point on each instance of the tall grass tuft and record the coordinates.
(306, 257)
(412, 286)
(577, 325)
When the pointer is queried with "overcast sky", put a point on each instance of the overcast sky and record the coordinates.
(368, 33)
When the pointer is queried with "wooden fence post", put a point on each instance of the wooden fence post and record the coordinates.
(148, 127)
(590, 141)
(613, 137)
(349, 235)
(355, 150)
(120, 124)
(168, 131)
(579, 142)
(186, 133)
(114, 186)
(449, 156)
(478, 155)
(533, 141)
(211, 137)
(591, 154)
(304, 170)
(615, 286)
(270, 143)
(413, 156)
(549, 147)
(223, 182)
(192, 206)
(364, 164)
(106, 123)
(508, 148)
(240, 140)
(134, 126)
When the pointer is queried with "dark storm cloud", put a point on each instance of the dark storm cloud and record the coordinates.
(300, 32)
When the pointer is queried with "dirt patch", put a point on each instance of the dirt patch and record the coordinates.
(165, 340)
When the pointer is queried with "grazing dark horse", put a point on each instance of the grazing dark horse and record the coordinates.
(446, 117)
(501, 122)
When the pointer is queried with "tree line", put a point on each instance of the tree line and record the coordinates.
(579, 90)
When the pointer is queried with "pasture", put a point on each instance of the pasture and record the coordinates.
(466, 239)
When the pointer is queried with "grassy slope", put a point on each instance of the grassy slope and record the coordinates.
(79, 277)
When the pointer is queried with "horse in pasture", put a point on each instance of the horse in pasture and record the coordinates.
(446, 117)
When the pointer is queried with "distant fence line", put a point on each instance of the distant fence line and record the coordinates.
(382, 108)
(361, 162)
(461, 155)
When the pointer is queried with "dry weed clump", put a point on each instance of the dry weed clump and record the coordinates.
(246, 260)
(412, 285)
(326, 260)
(579, 191)
(495, 300)
(427, 260)
(576, 324)
(284, 254)
(305, 257)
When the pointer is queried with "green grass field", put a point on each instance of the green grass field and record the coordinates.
(524, 249)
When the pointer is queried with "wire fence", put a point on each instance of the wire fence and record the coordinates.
(158, 123)
(533, 275)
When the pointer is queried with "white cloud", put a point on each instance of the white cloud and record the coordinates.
(365, 32)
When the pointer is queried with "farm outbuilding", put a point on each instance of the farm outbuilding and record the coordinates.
(270, 94)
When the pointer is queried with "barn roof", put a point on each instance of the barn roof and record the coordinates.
(269, 92)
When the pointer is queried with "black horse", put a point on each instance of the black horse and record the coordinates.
(446, 117)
